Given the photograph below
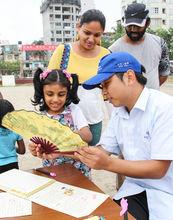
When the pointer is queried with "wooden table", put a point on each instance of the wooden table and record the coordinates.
(68, 174)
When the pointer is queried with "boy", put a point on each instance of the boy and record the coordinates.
(141, 128)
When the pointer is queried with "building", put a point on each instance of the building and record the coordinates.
(86, 5)
(160, 12)
(59, 20)
(9, 53)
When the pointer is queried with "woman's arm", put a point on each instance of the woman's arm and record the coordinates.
(85, 134)
(21, 147)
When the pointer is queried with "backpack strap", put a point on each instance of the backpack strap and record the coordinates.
(65, 57)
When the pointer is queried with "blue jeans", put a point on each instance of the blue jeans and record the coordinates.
(96, 130)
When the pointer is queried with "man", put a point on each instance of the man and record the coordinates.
(141, 127)
(149, 49)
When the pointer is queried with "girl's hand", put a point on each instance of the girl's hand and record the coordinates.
(32, 148)
(45, 156)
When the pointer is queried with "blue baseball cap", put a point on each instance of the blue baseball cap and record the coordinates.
(117, 62)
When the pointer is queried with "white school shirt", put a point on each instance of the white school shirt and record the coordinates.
(145, 134)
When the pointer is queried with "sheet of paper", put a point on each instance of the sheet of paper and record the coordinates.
(69, 199)
(12, 206)
(22, 183)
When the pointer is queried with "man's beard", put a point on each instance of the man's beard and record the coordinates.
(138, 37)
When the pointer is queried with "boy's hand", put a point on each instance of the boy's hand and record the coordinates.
(93, 157)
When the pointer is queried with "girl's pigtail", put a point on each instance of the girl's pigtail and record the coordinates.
(38, 89)
(74, 88)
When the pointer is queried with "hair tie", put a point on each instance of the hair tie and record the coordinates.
(44, 74)
(68, 75)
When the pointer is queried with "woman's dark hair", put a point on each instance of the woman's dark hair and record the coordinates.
(54, 76)
(93, 15)
(139, 76)
(5, 107)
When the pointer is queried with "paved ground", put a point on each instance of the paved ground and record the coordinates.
(20, 96)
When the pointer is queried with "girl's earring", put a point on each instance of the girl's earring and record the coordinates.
(99, 43)
(77, 37)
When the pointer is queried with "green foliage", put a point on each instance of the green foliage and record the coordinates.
(119, 31)
(7, 67)
(167, 35)
(105, 42)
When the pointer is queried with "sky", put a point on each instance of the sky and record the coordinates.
(20, 20)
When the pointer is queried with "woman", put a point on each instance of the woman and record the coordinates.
(84, 56)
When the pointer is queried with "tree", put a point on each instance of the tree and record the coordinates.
(119, 31)
(9, 68)
(167, 35)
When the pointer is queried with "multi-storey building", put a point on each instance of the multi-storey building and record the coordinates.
(59, 20)
(160, 12)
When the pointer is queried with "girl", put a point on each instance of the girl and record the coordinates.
(54, 93)
(8, 150)
(82, 57)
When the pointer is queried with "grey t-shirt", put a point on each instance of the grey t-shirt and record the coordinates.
(152, 53)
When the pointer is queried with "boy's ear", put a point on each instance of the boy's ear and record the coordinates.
(130, 77)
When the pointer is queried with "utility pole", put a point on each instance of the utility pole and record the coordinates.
(20, 59)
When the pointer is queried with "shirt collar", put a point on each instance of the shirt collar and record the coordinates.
(140, 104)
(142, 100)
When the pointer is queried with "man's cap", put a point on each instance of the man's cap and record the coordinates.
(117, 62)
(135, 14)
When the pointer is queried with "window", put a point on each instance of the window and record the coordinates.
(57, 8)
(156, 10)
(51, 17)
(58, 24)
(164, 22)
(67, 32)
(66, 17)
(58, 40)
(66, 24)
(163, 10)
(52, 39)
(67, 40)
(57, 16)
(51, 9)
(58, 32)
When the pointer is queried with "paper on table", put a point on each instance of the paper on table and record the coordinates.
(12, 206)
(69, 199)
(23, 183)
